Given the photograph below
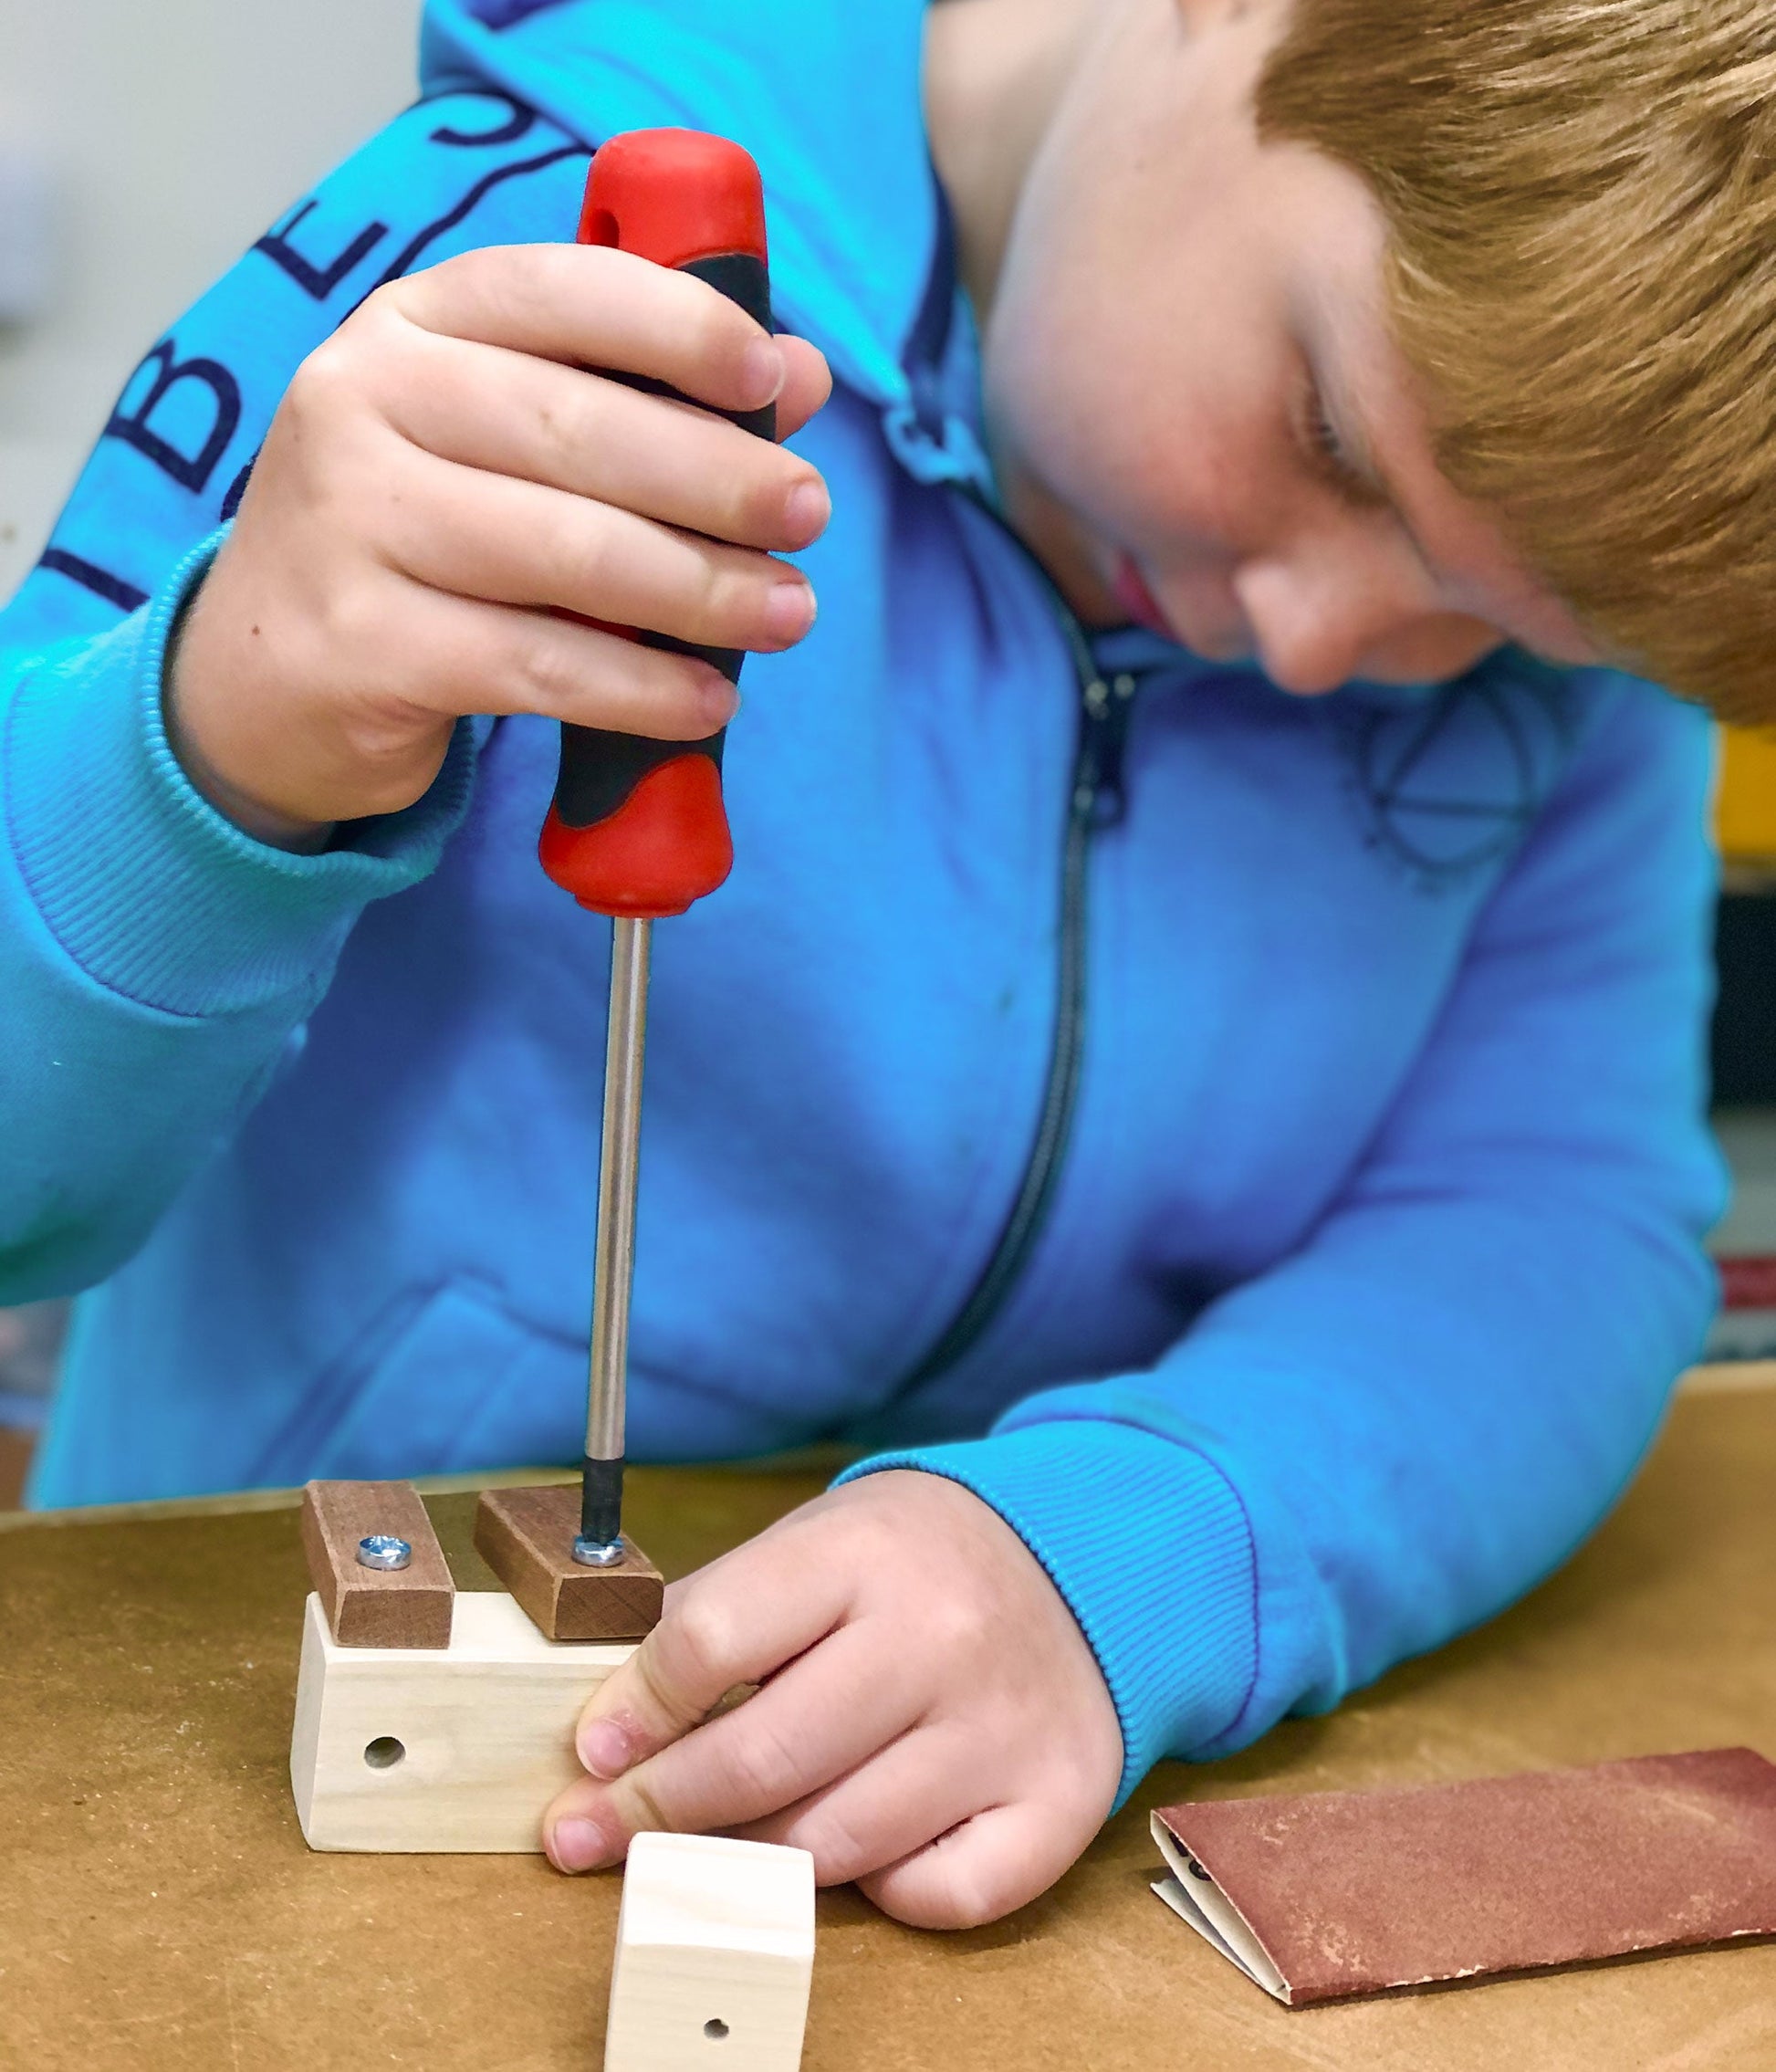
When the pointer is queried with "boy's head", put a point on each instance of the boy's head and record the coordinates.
(1361, 337)
(1580, 199)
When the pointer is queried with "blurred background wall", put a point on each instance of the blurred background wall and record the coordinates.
(143, 145)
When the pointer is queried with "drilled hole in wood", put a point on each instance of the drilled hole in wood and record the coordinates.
(714, 2030)
(383, 1752)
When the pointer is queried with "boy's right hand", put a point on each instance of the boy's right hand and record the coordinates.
(442, 480)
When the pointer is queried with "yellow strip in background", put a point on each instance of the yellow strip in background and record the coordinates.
(1745, 808)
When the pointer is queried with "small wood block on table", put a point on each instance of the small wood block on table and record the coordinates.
(525, 1536)
(715, 1946)
(372, 1607)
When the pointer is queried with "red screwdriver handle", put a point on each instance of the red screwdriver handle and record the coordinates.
(637, 827)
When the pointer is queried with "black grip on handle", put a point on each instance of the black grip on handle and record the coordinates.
(599, 769)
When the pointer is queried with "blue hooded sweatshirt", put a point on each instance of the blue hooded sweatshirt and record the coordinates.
(1254, 1143)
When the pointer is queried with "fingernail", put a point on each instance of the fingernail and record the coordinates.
(579, 1845)
(808, 510)
(604, 1748)
(762, 370)
(789, 610)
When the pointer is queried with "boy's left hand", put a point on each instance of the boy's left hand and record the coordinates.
(931, 1721)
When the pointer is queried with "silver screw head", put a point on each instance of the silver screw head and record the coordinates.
(597, 1553)
(383, 1550)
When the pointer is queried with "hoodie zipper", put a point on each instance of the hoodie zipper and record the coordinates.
(1096, 800)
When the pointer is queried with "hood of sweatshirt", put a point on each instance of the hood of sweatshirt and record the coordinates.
(826, 98)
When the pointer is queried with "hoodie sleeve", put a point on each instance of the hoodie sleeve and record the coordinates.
(1393, 1433)
(154, 961)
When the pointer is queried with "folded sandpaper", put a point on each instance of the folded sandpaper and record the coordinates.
(1331, 1894)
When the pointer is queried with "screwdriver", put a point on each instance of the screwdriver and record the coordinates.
(637, 828)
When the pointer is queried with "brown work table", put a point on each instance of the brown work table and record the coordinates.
(158, 1907)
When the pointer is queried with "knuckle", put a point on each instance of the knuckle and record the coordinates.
(762, 490)
(702, 1643)
(959, 1628)
(731, 606)
(841, 1851)
(762, 1769)
(339, 380)
(385, 305)
(424, 296)
(541, 671)
(642, 1811)
(563, 437)
(720, 332)
(348, 619)
(656, 699)
(589, 566)
(403, 294)
(326, 382)
(719, 616)
(386, 752)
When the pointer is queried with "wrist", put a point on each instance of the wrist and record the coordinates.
(253, 815)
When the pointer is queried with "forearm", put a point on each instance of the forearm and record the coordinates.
(1347, 1462)
(154, 959)
(1391, 1432)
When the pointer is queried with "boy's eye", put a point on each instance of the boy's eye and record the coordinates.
(1332, 458)
(1324, 436)
(1321, 435)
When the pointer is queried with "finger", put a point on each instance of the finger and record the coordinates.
(509, 413)
(589, 306)
(816, 1720)
(807, 384)
(509, 542)
(915, 1789)
(735, 1623)
(984, 1868)
(427, 650)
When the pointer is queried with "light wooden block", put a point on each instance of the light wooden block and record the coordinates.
(457, 1750)
(715, 1957)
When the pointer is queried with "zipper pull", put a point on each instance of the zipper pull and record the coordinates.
(1099, 798)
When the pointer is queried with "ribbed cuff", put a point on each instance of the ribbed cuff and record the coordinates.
(1149, 1544)
(151, 891)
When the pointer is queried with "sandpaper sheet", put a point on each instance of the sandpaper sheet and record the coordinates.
(159, 1912)
(1353, 1893)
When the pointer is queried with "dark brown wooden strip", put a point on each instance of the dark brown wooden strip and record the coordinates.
(525, 1536)
(369, 1608)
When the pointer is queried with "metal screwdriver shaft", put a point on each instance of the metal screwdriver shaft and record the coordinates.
(637, 828)
(600, 1543)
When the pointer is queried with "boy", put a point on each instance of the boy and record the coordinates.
(1237, 1155)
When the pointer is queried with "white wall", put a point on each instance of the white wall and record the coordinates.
(173, 131)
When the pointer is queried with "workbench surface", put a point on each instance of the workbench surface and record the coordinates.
(158, 1909)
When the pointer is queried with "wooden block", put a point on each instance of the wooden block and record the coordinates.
(370, 1608)
(715, 1948)
(458, 1751)
(525, 1536)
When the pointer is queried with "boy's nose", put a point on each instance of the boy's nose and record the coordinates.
(1312, 625)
